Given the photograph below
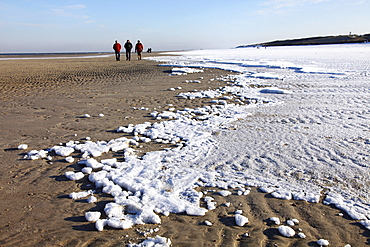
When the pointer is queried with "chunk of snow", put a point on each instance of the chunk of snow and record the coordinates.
(322, 242)
(276, 220)
(78, 195)
(23, 146)
(224, 193)
(34, 155)
(196, 211)
(92, 216)
(208, 223)
(119, 223)
(100, 224)
(286, 231)
(93, 163)
(241, 220)
(63, 151)
(286, 195)
(69, 159)
(292, 222)
(158, 241)
(91, 199)
(87, 170)
(71, 175)
(366, 223)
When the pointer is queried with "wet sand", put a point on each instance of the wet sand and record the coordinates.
(43, 103)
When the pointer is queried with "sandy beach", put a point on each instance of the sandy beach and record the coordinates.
(43, 103)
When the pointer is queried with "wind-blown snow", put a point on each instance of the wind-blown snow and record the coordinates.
(294, 122)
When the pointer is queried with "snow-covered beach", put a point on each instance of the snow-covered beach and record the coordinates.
(312, 139)
(291, 121)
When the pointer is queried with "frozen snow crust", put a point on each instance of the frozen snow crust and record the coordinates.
(298, 129)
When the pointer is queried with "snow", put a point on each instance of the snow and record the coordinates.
(22, 146)
(292, 222)
(69, 159)
(286, 231)
(224, 193)
(276, 220)
(62, 151)
(82, 194)
(241, 220)
(92, 216)
(293, 122)
(92, 199)
(366, 223)
(208, 223)
(158, 241)
(322, 242)
(36, 154)
(74, 175)
(184, 71)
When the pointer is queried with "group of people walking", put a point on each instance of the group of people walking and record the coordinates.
(139, 47)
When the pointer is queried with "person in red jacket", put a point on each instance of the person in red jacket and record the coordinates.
(117, 50)
(139, 47)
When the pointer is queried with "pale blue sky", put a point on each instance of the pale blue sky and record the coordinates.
(87, 25)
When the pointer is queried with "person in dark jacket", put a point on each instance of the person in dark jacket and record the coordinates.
(139, 47)
(128, 48)
(117, 50)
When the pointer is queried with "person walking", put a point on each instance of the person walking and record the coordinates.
(117, 50)
(128, 48)
(139, 47)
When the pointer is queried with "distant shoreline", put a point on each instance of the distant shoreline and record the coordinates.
(48, 53)
(64, 55)
(320, 40)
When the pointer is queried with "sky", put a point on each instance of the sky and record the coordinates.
(164, 25)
